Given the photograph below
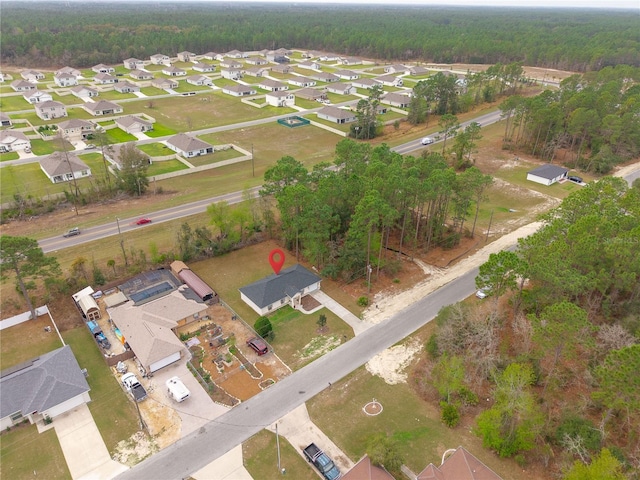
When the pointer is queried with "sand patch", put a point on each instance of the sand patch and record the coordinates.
(391, 363)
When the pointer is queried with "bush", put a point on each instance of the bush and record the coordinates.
(468, 397)
(575, 426)
(363, 301)
(449, 414)
(432, 346)
(263, 327)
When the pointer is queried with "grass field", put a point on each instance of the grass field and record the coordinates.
(155, 149)
(160, 130)
(8, 156)
(114, 96)
(261, 461)
(117, 135)
(166, 166)
(14, 103)
(217, 156)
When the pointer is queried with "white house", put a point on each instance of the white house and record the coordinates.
(390, 80)
(204, 67)
(50, 110)
(397, 68)
(73, 71)
(275, 291)
(132, 124)
(5, 120)
(32, 75)
(76, 129)
(65, 79)
(340, 88)
(235, 54)
(365, 82)
(12, 141)
(200, 80)
(164, 83)
(231, 74)
(37, 96)
(82, 91)
(273, 85)
(140, 75)
(102, 68)
(22, 86)
(302, 82)
(42, 388)
(160, 59)
(186, 56)
(63, 167)
(256, 61)
(280, 99)
(325, 77)
(396, 100)
(351, 61)
(188, 146)
(547, 174)
(102, 107)
(347, 74)
(239, 90)
(172, 71)
(231, 65)
(105, 79)
(133, 63)
(126, 87)
(336, 115)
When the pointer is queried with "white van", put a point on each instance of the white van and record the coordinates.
(177, 390)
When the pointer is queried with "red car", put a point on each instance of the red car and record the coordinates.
(142, 221)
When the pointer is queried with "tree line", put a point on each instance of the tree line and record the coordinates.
(39, 34)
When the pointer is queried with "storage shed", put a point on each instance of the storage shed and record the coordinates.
(199, 287)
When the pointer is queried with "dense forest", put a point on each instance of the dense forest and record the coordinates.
(55, 34)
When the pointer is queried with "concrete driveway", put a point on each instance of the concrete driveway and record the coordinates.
(83, 448)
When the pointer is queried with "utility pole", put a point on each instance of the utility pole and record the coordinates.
(253, 165)
(124, 252)
(489, 227)
(369, 269)
(278, 446)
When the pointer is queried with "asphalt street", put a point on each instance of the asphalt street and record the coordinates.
(193, 452)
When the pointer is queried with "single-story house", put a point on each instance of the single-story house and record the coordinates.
(32, 75)
(199, 80)
(418, 70)
(82, 91)
(42, 388)
(277, 57)
(5, 121)
(188, 146)
(256, 61)
(75, 129)
(210, 56)
(325, 77)
(102, 107)
(311, 54)
(340, 88)
(63, 167)
(186, 56)
(396, 100)
(309, 65)
(231, 65)
(302, 82)
(281, 51)
(65, 79)
(50, 110)
(114, 154)
(203, 67)
(286, 288)
(390, 80)
(105, 79)
(281, 68)
(351, 61)
(365, 83)
(172, 71)
(255, 71)
(133, 63)
(366, 470)
(87, 304)
(140, 75)
(73, 71)
(149, 328)
(160, 59)
(164, 83)
(235, 54)
(347, 74)
(37, 96)
(547, 174)
(336, 115)
(12, 141)
(459, 465)
(280, 99)
(22, 86)
(102, 68)
(273, 85)
(329, 57)
(311, 94)
(397, 68)
(126, 87)
(132, 124)
(239, 90)
(231, 74)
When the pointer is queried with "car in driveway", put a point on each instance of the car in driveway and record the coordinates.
(258, 345)
(575, 179)
(482, 293)
(426, 141)
(143, 221)
(71, 233)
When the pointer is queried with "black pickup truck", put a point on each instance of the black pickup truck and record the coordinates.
(322, 462)
(134, 387)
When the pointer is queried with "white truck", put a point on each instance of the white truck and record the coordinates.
(177, 390)
(134, 387)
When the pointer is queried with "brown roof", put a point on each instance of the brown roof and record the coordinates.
(460, 465)
(365, 470)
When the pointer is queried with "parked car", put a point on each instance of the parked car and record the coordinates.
(322, 462)
(426, 141)
(258, 345)
(72, 233)
(90, 146)
(481, 294)
(143, 220)
(575, 179)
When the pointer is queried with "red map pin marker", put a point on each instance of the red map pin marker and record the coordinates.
(276, 264)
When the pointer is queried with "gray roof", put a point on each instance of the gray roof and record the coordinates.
(56, 164)
(549, 171)
(270, 289)
(131, 120)
(186, 143)
(101, 106)
(336, 112)
(75, 123)
(41, 383)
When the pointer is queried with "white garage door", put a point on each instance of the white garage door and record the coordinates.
(165, 361)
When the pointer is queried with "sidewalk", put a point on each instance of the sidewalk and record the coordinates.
(358, 325)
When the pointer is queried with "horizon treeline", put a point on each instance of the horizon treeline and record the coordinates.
(56, 34)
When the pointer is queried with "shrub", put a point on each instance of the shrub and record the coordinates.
(468, 397)
(432, 346)
(363, 301)
(449, 414)
(263, 327)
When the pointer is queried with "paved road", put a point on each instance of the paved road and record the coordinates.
(217, 437)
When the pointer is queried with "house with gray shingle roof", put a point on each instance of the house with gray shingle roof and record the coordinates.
(32, 75)
(286, 288)
(133, 63)
(203, 67)
(50, 110)
(273, 85)
(62, 167)
(140, 75)
(37, 96)
(199, 80)
(102, 107)
(188, 146)
(104, 79)
(325, 77)
(132, 124)
(547, 174)
(115, 153)
(65, 79)
(82, 91)
(73, 71)
(186, 56)
(44, 387)
(160, 59)
(239, 90)
(365, 83)
(13, 140)
(396, 100)
(347, 74)
(126, 87)
(76, 129)
(22, 85)
(336, 115)
(164, 83)
(340, 88)
(102, 68)
(173, 71)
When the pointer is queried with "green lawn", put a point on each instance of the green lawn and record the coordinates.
(25, 453)
(14, 104)
(113, 95)
(117, 135)
(8, 156)
(217, 156)
(155, 149)
(160, 130)
(152, 91)
(114, 413)
(259, 455)
(166, 166)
